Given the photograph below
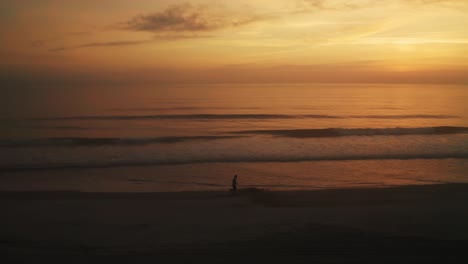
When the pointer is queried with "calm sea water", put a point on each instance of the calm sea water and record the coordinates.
(195, 137)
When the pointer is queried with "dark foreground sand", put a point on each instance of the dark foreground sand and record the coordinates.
(414, 224)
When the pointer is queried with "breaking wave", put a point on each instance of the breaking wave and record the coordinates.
(176, 161)
(294, 133)
(343, 132)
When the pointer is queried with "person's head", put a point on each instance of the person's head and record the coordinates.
(235, 176)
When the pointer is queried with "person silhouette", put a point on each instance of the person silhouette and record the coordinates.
(234, 184)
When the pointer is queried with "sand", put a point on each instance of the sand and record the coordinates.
(412, 224)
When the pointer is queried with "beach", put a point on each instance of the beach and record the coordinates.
(328, 173)
(406, 224)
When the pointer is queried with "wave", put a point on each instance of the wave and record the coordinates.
(184, 117)
(246, 159)
(151, 109)
(343, 132)
(404, 116)
(59, 127)
(239, 116)
(90, 142)
(294, 133)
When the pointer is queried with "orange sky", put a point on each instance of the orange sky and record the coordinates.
(228, 41)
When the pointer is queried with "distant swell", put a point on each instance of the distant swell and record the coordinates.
(90, 142)
(240, 116)
(151, 109)
(133, 163)
(343, 132)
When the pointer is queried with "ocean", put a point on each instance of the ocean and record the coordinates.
(192, 137)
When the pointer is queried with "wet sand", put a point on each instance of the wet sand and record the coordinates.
(411, 224)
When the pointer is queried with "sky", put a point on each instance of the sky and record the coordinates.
(392, 41)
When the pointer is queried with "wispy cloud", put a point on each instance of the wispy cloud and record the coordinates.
(79, 33)
(189, 18)
(436, 1)
(459, 5)
(345, 5)
(158, 38)
(103, 44)
(334, 5)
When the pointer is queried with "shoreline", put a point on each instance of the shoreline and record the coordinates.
(371, 190)
(217, 176)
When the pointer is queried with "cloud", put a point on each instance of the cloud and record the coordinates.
(459, 5)
(436, 1)
(103, 44)
(79, 33)
(333, 5)
(188, 21)
(166, 37)
(345, 5)
(189, 18)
